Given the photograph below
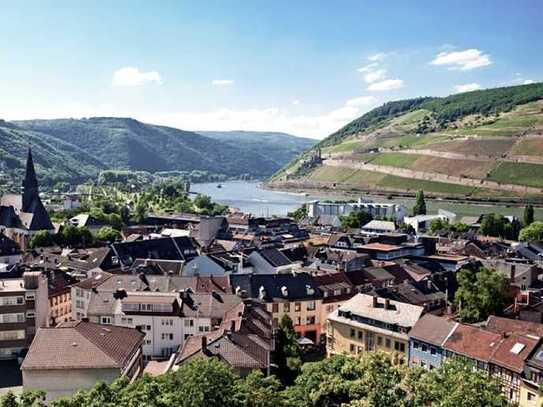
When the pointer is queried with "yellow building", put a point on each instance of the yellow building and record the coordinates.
(366, 323)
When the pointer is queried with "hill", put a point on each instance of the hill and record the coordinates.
(75, 149)
(279, 147)
(481, 143)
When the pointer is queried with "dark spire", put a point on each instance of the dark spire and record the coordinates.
(30, 184)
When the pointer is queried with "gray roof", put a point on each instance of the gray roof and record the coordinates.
(432, 329)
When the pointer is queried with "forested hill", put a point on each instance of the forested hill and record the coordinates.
(481, 143)
(443, 110)
(279, 147)
(75, 149)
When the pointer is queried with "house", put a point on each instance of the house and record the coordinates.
(23, 309)
(366, 323)
(421, 223)
(295, 295)
(21, 216)
(270, 261)
(75, 355)
(336, 288)
(203, 266)
(382, 251)
(426, 341)
(86, 220)
(244, 341)
(378, 210)
(340, 241)
(375, 227)
(9, 250)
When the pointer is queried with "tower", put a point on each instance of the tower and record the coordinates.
(30, 184)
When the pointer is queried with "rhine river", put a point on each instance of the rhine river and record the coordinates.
(248, 197)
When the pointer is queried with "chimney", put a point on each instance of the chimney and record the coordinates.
(204, 343)
(375, 302)
(387, 303)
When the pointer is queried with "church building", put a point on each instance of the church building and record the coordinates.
(21, 216)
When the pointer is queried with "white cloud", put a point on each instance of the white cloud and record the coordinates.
(268, 119)
(468, 87)
(377, 57)
(528, 82)
(222, 82)
(374, 76)
(130, 76)
(295, 102)
(368, 68)
(463, 60)
(387, 84)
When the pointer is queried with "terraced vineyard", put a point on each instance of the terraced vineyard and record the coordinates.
(482, 143)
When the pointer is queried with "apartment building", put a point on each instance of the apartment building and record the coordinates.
(23, 309)
(367, 323)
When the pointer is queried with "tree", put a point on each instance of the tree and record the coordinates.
(355, 219)
(299, 213)
(108, 234)
(71, 235)
(420, 204)
(41, 238)
(257, 390)
(533, 232)
(457, 383)
(528, 215)
(287, 351)
(480, 294)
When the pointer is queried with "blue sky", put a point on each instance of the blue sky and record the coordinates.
(296, 66)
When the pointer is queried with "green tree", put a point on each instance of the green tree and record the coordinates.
(355, 219)
(420, 204)
(456, 383)
(531, 233)
(480, 294)
(140, 212)
(41, 238)
(528, 215)
(287, 351)
(108, 234)
(257, 390)
(299, 213)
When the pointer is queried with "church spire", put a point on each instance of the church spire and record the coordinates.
(30, 184)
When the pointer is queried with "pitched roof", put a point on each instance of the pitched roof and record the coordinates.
(82, 345)
(432, 329)
(380, 225)
(505, 325)
(299, 286)
(399, 313)
(275, 257)
(473, 342)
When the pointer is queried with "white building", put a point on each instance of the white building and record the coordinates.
(378, 210)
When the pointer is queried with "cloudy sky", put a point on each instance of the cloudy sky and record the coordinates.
(302, 67)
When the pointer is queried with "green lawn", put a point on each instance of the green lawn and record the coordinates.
(518, 173)
(409, 184)
(395, 159)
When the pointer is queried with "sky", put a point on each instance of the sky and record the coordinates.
(301, 67)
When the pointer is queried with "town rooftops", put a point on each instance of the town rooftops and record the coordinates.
(381, 247)
(269, 287)
(506, 325)
(473, 342)
(275, 257)
(432, 329)
(82, 345)
(368, 306)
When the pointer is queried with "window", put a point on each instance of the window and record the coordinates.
(360, 335)
(30, 296)
(399, 346)
(424, 348)
(167, 336)
(297, 306)
(167, 322)
(352, 348)
(275, 308)
(353, 333)
(531, 396)
(311, 306)
(415, 345)
(379, 341)
(286, 307)
(433, 350)
(12, 335)
(189, 322)
(311, 320)
(388, 343)
(298, 321)
(106, 320)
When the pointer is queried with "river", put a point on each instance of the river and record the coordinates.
(249, 198)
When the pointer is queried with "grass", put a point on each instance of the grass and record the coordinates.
(395, 159)
(518, 173)
(409, 184)
(345, 175)
(476, 146)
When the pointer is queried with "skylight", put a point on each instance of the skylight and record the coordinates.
(517, 348)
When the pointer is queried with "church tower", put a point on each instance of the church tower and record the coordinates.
(30, 184)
